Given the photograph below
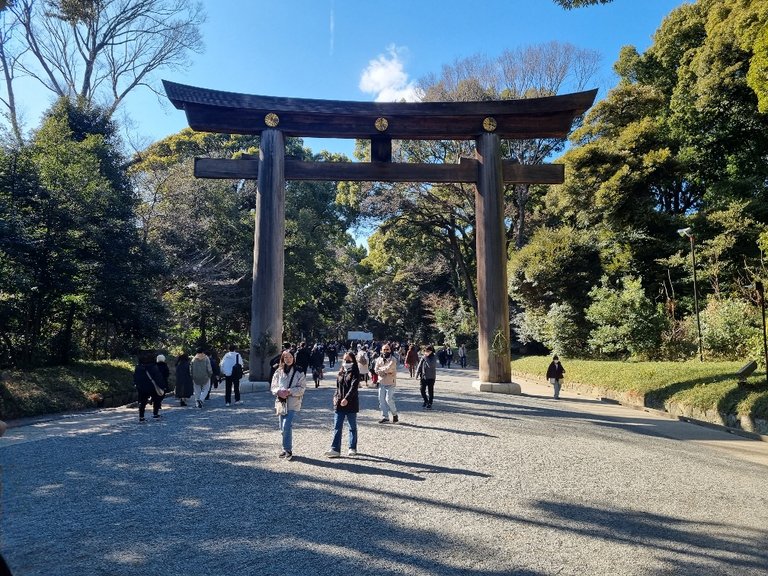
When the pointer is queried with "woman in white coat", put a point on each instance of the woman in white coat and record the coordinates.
(288, 387)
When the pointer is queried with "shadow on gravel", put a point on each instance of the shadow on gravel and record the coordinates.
(354, 466)
(451, 430)
(203, 494)
(685, 547)
(558, 410)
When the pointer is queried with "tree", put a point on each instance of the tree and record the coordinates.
(81, 282)
(97, 51)
(204, 230)
(556, 266)
(417, 217)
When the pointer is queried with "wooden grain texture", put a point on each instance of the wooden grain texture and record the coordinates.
(464, 172)
(492, 299)
(268, 255)
(235, 113)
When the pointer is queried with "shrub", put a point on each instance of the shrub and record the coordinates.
(626, 321)
(727, 328)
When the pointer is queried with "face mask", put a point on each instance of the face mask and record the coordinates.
(387, 354)
(347, 366)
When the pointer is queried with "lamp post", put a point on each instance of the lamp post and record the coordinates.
(761, 296)
(687, 232)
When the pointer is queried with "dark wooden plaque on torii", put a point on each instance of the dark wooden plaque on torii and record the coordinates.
(487, 123)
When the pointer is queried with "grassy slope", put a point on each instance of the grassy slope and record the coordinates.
(707, 385)
(62, 388)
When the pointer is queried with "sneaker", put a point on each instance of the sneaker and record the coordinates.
(424, 405)
(289, 455)
(394, 419)
(333, 454)
(352, 452)
(383, 421)
(429, 406)
(282, 454)
(226, 404)
(142, 420)
(238, 401)
(155, 415)
(182, 403)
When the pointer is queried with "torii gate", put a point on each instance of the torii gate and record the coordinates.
(485, 122)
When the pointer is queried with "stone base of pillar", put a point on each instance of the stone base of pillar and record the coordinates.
(246, 386)
(497, 387)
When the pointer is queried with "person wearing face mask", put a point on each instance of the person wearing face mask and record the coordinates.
(288, 387)
(346, 405)
(386, 368)
(555, 374)
(426, 373)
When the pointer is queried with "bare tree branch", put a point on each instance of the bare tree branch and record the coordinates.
(101, 50)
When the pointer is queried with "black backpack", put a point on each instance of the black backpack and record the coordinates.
(237, 369)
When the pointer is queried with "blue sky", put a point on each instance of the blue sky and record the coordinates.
(325, 48)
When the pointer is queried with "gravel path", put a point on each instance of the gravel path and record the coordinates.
(484, 484)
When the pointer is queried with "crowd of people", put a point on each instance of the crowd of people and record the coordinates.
(196, 376)
(372, 364)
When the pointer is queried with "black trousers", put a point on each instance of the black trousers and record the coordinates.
(229, 382)
(144, 398)
(428, 390)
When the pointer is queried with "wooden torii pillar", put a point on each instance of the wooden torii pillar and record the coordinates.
(485, 122)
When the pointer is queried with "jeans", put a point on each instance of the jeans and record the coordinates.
(556, 382)
(229, 382)
(286, 427)
(428, 390)
(387, 401)
(338, 424)
(463, 361)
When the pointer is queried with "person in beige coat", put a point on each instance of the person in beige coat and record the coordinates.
(386, 369)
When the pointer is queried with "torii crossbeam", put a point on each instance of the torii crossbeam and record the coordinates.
(486, 122)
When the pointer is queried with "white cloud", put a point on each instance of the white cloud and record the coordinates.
(386, 78)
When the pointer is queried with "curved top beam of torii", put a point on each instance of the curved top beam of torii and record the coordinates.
(235, 113)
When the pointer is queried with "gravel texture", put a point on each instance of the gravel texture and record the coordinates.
(484, 484)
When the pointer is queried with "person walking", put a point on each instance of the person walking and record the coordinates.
(448, 355)
(317, 361)
(303, 357)
(333, 354)
(165, 374)
(346, 403)
(412, 359)
(184, 386)
(148, 382)
(427, 373)
(232, 369)
(288, 387)
(201, 371)
(442, 356)
(555, 373)
(386, 369)
(362, 363)
(216, 372)
(463, 356)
